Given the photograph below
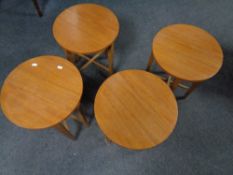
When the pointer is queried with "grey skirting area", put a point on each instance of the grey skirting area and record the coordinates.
(202, 142)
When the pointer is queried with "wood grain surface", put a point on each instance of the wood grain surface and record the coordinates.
(86, 28)
(187, 52)
(41, 92)
(135, 109)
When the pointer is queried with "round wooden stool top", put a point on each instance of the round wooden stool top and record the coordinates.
(86, 28)
(135, 109)
(187, 52)
(41, 92)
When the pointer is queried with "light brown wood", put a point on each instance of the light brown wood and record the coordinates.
(149, 65)
(175, 83)
(94, 62)
(169, 80)
(86, 28)
(65, 124)
(135, 109)
(110, 53)
(64, 130)
(91, 60)
(187, 52)
(41, 92)
(81, 118)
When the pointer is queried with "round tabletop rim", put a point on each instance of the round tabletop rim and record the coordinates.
(183, 77)
(126, 146)
(94, 50)
(55, 123)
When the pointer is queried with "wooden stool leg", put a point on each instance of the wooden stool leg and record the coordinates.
(110, 53)
(175, 83)
(107, 140)
(169, 80)
(91, 60)
(65, 124)
(149, 65)
(190, 90)
(80, 117)
(69, 56)
(83, 119)
(39, 13)
(60, 127)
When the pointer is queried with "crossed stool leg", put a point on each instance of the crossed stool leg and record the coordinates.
(64, 128)
(109, 51)
(174, 82)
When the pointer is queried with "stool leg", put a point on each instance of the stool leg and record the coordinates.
(91, 60)
(110, 53)
(65, 124)
(69, 56)
(83, 119)
(175, 83)
(60, 127)
(191, 89)
(80, 117)
(169, 80)
(39, 13)
(149, 65)
(107, 140)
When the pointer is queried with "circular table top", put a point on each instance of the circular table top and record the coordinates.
(187, 52)
(41, 92)
(86, 28)
(135, 109)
